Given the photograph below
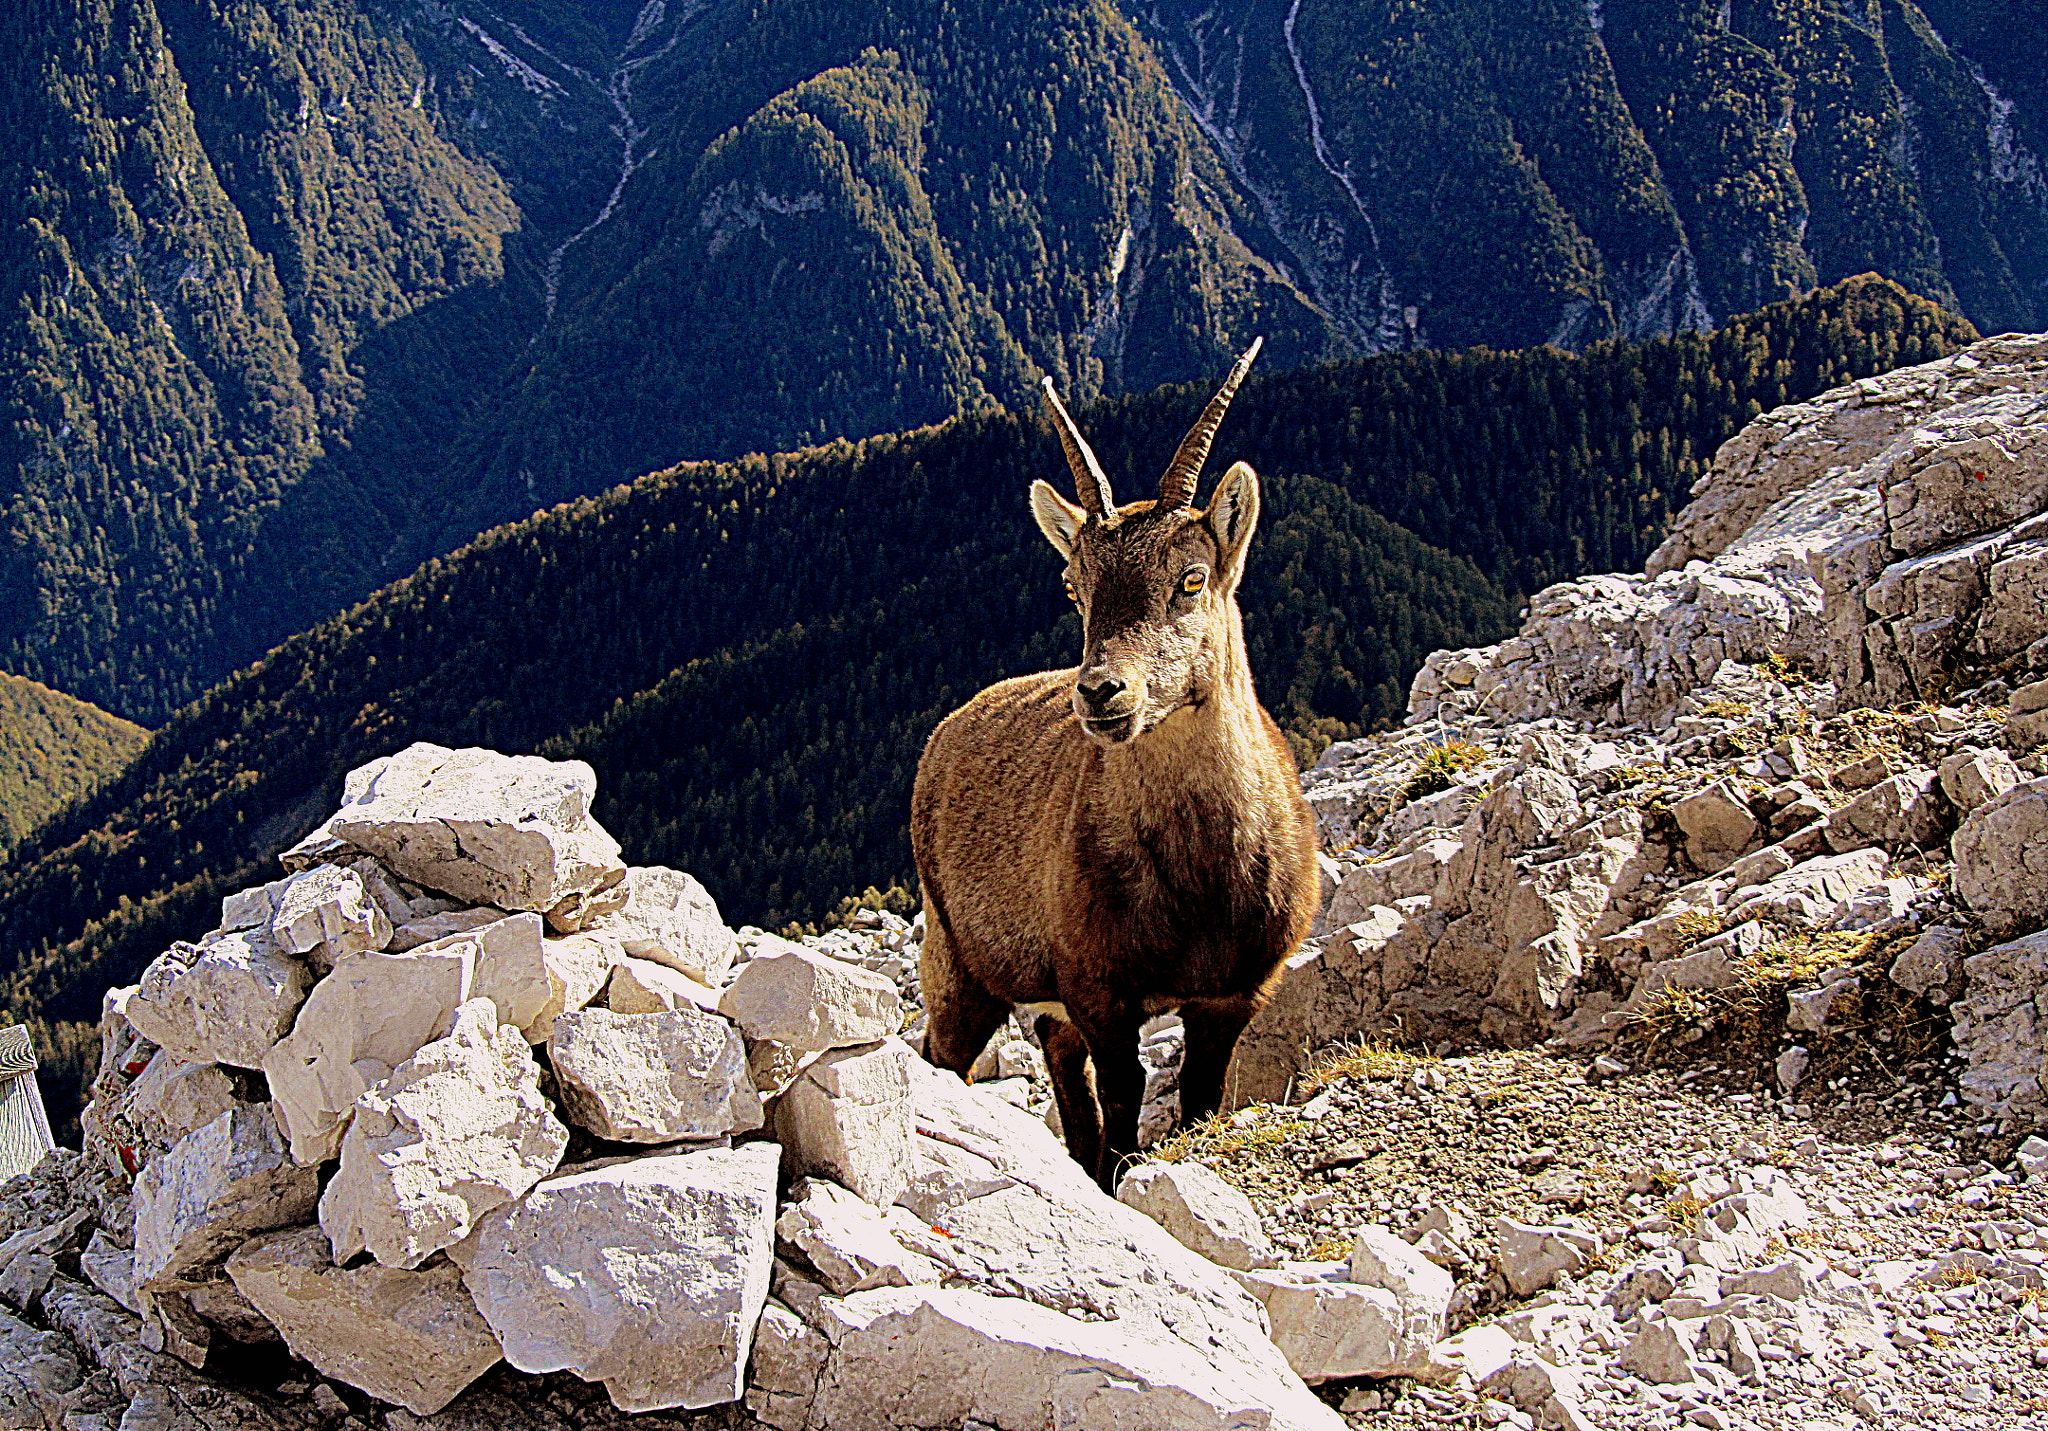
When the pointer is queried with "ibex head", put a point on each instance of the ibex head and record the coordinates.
(1155, 582)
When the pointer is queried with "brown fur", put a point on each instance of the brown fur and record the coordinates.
(1164, 860)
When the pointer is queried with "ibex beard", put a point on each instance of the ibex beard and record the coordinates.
(1128, 837)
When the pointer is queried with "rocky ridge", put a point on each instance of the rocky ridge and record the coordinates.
(1668, 1053)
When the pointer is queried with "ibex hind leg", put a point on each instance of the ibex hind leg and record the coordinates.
(960, 1015)
(1073, 1091)
(1212, 1027)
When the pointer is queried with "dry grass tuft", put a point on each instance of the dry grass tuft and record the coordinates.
(1225, 1135)
(1374, 1060)
(1330, 1249)
(1441, 766)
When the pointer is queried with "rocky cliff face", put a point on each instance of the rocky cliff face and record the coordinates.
(1809, 725)
(465, 1118)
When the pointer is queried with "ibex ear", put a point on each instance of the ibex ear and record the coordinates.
(1058, 518)
(1232, 514)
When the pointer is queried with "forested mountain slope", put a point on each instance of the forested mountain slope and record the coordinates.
(752, 652)
(53, 751)
(302, 292)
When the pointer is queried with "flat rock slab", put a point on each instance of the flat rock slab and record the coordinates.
(654, 1078)
(456, 1130)
(510, 830)
(211, 1189)
(411, 1338)
(647, 1275)
(926, 1356)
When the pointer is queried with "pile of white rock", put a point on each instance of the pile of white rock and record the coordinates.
(463, 1088)
(1663, 775)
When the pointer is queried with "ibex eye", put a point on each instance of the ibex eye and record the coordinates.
(1072, 594)
(1194, 581)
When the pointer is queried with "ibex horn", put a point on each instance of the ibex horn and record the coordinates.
(1177, 487)
(1090, 483)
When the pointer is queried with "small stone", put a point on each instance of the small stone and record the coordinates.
(641, 986)
(1532, 1258)
(1791, 1068)
(1932, 965)
(1718, 825)
(1971, 778)
(1328, 1327)
(1663, 1351)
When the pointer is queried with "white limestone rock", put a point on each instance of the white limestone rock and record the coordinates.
(1478, 1352)
(2001, 855)
(1330, 1327)
(372, 1013)
(796, 996)
(927, 1356)
(654, 1078)
(326, 912)
(226, 1001)
(671, 919)
(789, 1358)
(456, 1130)
(214, 1187)
(1332, 989)
(641, 986)
(943, 1176)
(647, 1275)
(1971, 778)
(432, 928)
(533, 979)
(1420, 1288)
(848, 1240)
(848, 1118)
(1718, 825)
(1808, 894)
(1532, 1257)
(410, 1338)
(2001, 1029)
(509, 830)
(1203, 1212)
(1055, 1238)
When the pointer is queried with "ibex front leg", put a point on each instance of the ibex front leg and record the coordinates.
(1111, 1033)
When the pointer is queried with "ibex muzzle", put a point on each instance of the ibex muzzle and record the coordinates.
(1127, 837)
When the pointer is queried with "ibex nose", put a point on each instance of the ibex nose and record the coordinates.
(1098, 689)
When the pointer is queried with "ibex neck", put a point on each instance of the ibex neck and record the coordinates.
(1215, 741)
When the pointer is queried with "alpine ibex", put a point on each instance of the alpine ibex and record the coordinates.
(1128, 837)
